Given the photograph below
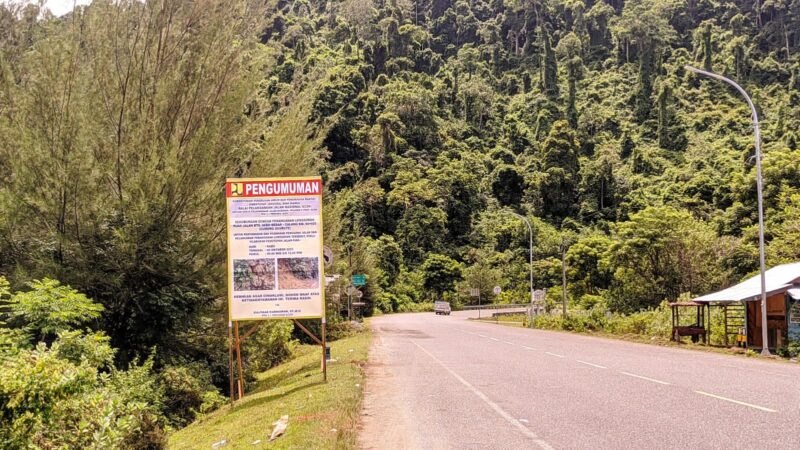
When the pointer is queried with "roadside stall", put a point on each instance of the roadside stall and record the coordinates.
(697, 313)
(742, 307)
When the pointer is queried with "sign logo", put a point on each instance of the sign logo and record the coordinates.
(237, 189)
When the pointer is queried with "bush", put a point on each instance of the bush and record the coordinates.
(386, 302)
(49, 307)
(271, 344)
(93, 348)
(416, 307)
(47, 401)
(65, 393)
(188, 392)
(793, 350)
(653, 322)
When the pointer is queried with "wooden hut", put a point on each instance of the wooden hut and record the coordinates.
(742, 306)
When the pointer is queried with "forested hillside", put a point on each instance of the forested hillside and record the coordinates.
(436, 116)
(431, 122)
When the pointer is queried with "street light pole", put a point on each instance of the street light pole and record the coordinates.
(759, 184)
(530, 254)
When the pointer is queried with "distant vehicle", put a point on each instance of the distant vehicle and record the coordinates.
(441, 308)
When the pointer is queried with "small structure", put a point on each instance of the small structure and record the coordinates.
(695, 330)
(744, 301)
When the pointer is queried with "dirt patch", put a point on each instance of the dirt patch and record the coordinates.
(298, 273)
(382, 425)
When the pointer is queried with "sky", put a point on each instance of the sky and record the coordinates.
(61, 7)
(57, 7)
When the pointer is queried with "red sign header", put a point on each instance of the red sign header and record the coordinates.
(277, 188)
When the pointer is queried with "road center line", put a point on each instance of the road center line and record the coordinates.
(509, 343)
(508, 417)
(494, 339)
(645, 378)
(481, 335)
(556, 355)
(528, 348)
(592, 364)
(736, 401)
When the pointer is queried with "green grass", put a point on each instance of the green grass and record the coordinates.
(321, 415)
(513, 320)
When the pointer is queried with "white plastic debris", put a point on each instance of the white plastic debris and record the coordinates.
(219, 444)
(256, 442)
(280, 427)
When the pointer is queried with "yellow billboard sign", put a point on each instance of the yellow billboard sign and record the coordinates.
(275, 260)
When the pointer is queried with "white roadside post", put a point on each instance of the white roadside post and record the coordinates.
(759, 184)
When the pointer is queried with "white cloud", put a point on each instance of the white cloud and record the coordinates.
(61, 7)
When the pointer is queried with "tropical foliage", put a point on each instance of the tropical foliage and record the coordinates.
(430, 122)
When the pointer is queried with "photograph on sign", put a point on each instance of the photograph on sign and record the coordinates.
(275, 253)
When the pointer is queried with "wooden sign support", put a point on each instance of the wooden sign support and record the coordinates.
(235, 346)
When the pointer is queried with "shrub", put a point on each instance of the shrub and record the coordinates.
(653, 322)
(50, 307)
(67, 394)
(416, 307)
(93, 348)
(188, 392)
(47, 401)
(386, 301)
(270, 344)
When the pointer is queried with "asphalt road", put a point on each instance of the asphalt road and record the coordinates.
(440, 382)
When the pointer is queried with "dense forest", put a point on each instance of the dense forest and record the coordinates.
(438, 118)
(431, 122)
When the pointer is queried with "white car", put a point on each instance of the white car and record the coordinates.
(441, 308)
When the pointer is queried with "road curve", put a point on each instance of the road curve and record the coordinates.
(443, 382)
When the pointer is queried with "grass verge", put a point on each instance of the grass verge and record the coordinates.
(517, 321)
(321, 415)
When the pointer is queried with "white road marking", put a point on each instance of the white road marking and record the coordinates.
(509, 343)
(736, 401)
(494, 339)
(645, 378)
(508, 417)
(556, 355)
(481, 335)
(528, 348)
(592, 364)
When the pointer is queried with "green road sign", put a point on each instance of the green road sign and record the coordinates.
(358, 280)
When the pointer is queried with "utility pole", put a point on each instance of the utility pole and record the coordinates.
(350, 291)
(563, 279)
(759, 188)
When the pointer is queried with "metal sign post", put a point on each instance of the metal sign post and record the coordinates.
(476, 292)
(351, 290)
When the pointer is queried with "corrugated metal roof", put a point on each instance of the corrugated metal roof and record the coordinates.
(779, 279)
